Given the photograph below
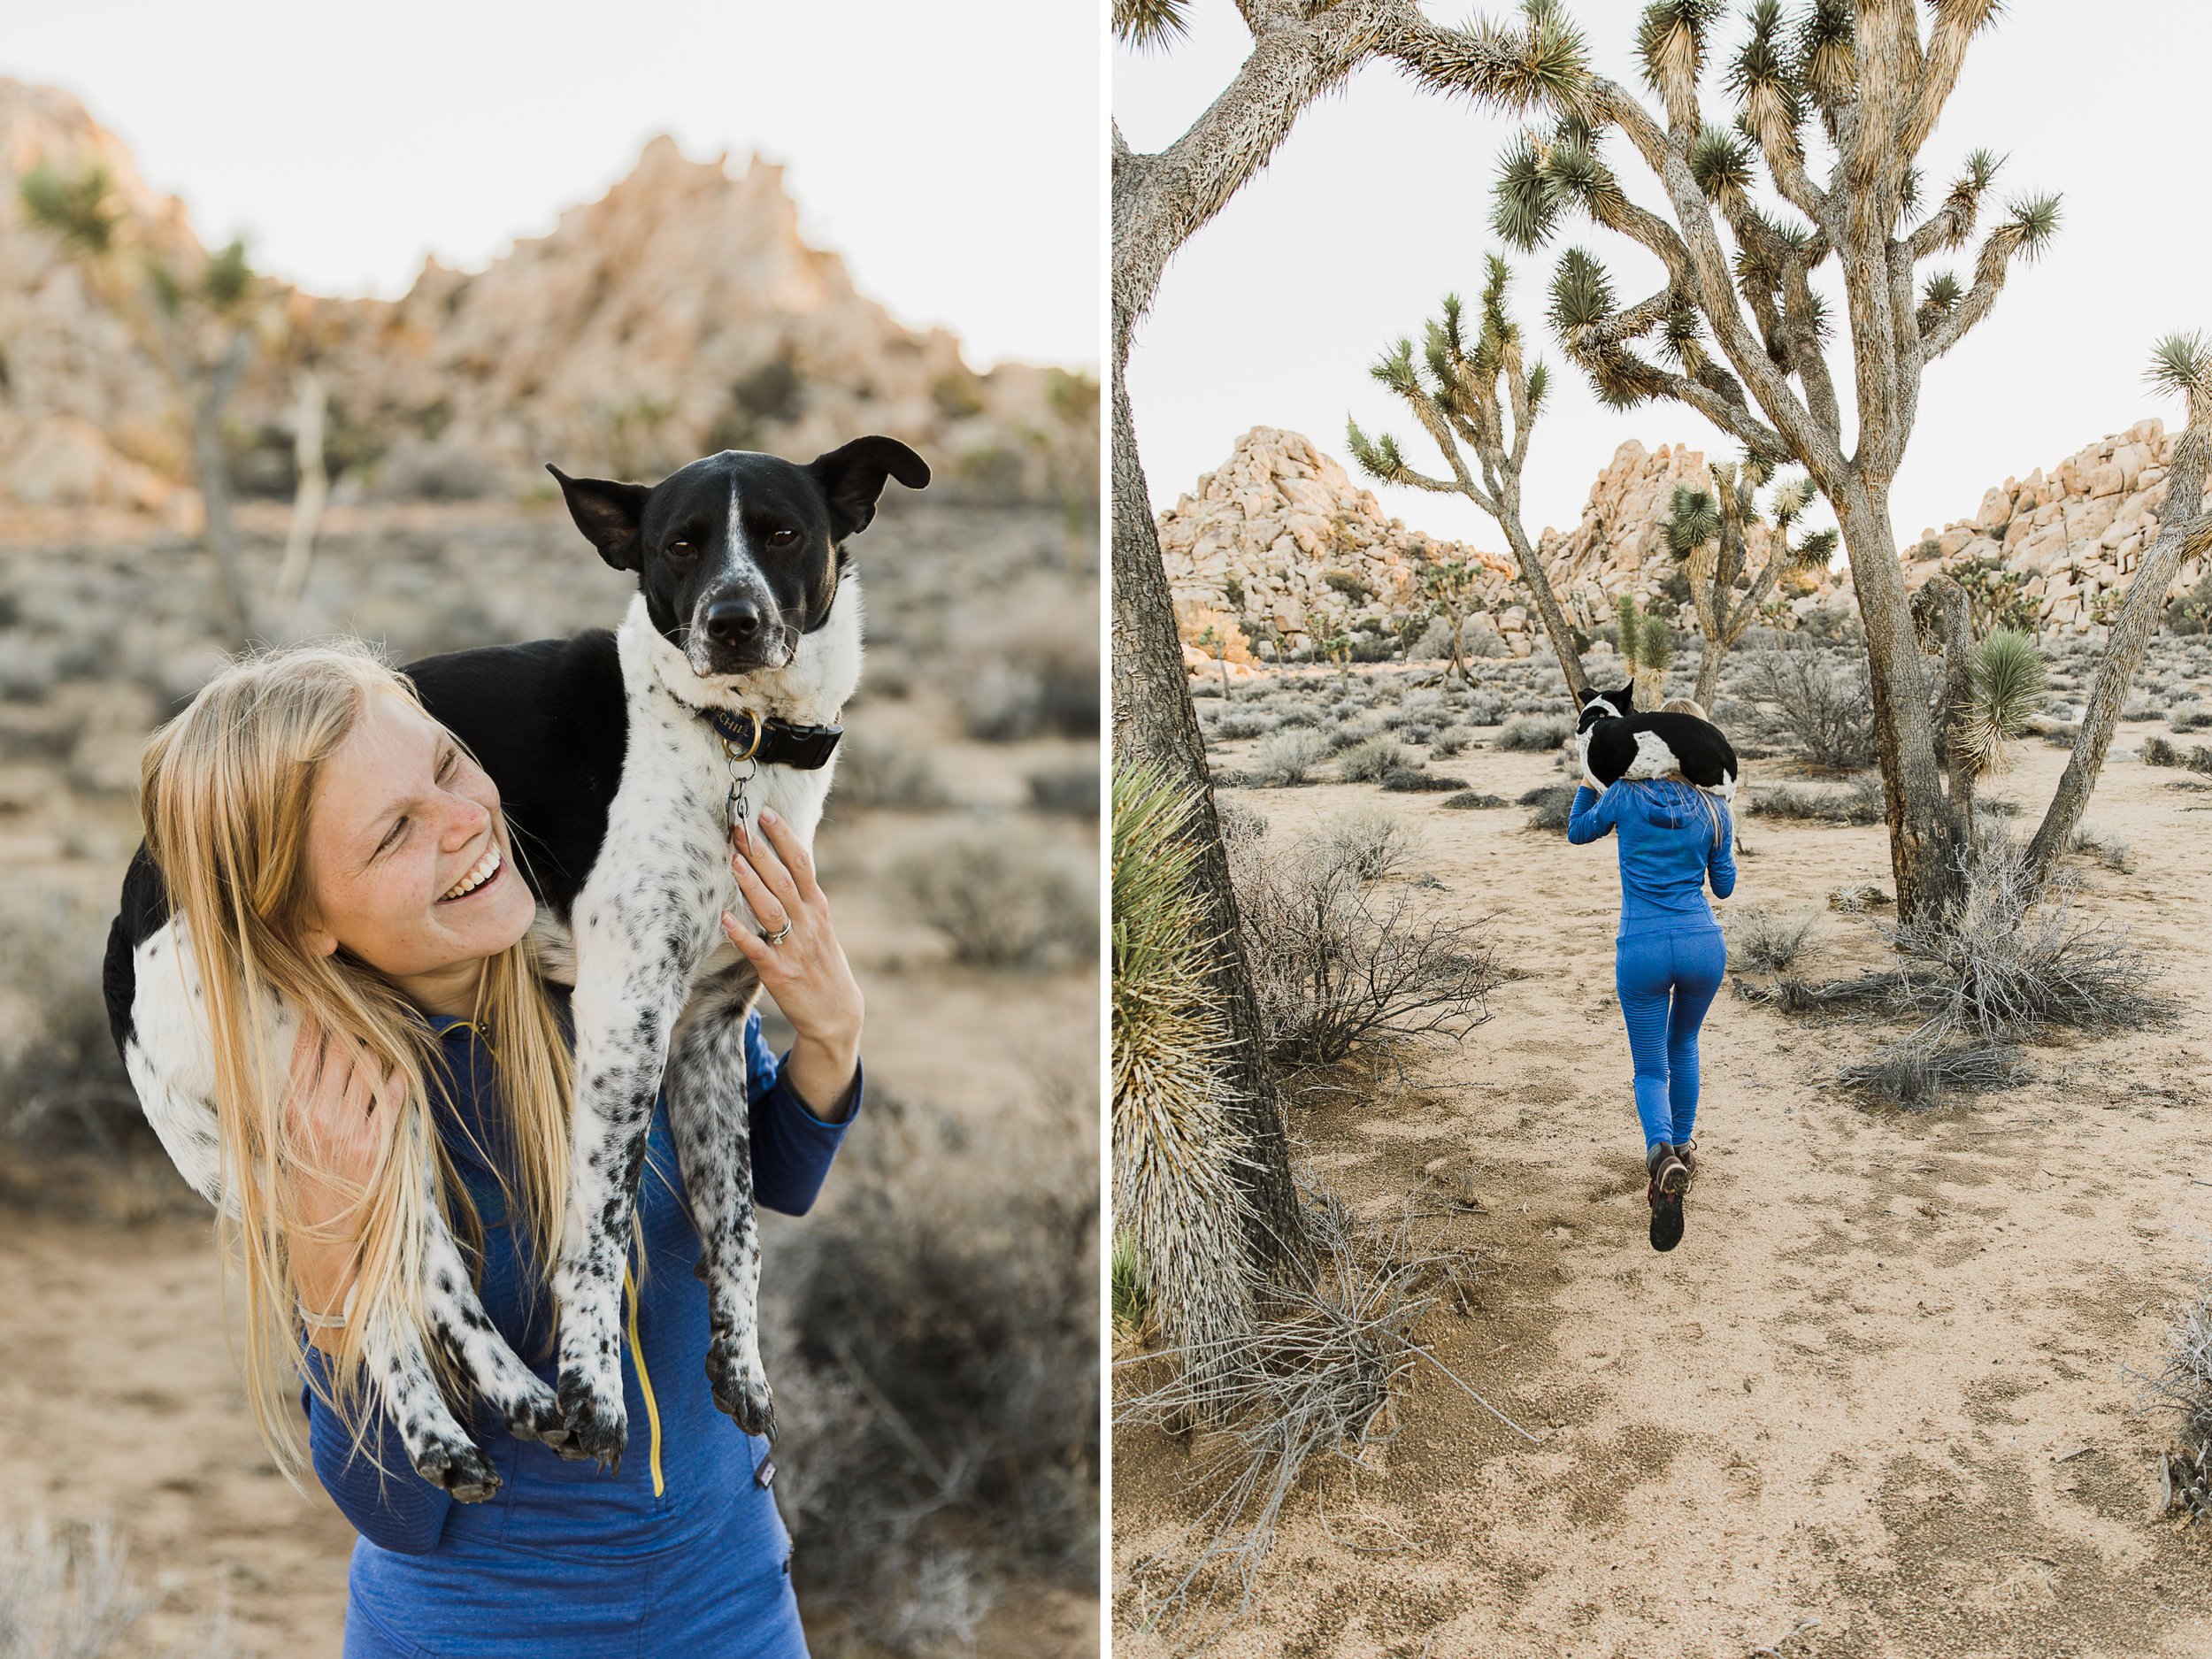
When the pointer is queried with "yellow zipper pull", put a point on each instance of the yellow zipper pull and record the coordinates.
(644, 1382)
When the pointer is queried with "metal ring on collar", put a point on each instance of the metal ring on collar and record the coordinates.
(760, 733)
(779, 936)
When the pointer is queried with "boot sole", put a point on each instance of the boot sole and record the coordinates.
(1666, 1222)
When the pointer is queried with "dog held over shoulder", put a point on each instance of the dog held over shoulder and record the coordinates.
(623, 758)
(1613, 742)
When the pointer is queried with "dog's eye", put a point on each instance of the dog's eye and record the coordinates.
(783, 538)
(680, 550)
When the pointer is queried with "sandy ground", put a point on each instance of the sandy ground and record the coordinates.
(1875, 1403)
(116, 1382)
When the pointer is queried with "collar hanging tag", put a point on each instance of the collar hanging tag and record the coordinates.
(741, 735)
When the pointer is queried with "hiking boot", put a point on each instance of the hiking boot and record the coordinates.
(1666, 1218)
(1669, 1173)
(1688, 1152)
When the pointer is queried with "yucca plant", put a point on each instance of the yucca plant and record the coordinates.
(1646, 651)
(1178, 1206)
(2006, 685)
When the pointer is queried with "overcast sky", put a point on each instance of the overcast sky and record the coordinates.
(1379, 203)
(950, 153)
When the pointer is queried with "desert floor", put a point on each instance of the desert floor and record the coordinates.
(1877, 1403)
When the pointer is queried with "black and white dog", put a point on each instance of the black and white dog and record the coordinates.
(619, 758)
(1613, 742)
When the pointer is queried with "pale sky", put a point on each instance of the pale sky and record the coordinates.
(950, 153)
(1379, 203)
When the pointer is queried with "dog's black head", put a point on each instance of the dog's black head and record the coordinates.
(739, 554)
(1605, 706)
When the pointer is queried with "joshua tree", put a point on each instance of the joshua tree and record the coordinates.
(1299, 53)
(200, 328)
(1736, 312)
(1709, 533)
(1466, 399)
(2182, 365)
(1646, 651)
(1451, 585)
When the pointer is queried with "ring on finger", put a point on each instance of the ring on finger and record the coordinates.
(779, 936)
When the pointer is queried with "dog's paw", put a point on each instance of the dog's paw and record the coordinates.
(537, 1416)
(741, 1389)
(593, 1425)
(460, 1467)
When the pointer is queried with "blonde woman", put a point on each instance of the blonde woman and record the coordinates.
(1669, 955)
(313, 824)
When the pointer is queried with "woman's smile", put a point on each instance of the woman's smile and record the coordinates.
(480, 875)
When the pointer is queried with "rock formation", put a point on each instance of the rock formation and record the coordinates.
(680, 314)
(2077, 534)
(1278, 538)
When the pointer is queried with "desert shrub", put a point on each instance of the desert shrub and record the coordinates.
(1004, 897)
(1366, 761)
(1417, 734)
(1070, 791)
(2106, 848)
(1372, 840)
(2158, 752)
(933, 1335)
(1204, 687)
(1830, 710)
(1237, 724)
(62, 1084)
(2188, 716)
(1449, 742)
(1342, 960)
(1861, 804)
(1553, 805)
(1313, 1382)
(878, 774)
(1535, 732)
(1484, 708)
(1468, 799)
(2138, 708)
(1769, 939)
(1413, 780)
(1289, 756)
(1036, 677)
(2183, 1385)
(1296, 714)
(73, 1596)
(1351, 735)
(1917, 1074)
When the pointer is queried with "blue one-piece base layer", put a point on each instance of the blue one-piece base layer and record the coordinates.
(564, 1562)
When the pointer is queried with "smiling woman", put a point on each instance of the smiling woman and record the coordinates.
(330, 847)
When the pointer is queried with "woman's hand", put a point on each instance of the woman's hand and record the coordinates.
(805, 970)
(338, 1118)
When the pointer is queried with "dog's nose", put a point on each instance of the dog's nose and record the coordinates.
(732, 621)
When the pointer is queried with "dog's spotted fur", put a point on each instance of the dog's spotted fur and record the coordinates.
(614, 788)
(1613, 742)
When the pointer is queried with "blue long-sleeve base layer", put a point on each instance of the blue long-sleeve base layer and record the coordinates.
(564, 1562)
(1669, 956)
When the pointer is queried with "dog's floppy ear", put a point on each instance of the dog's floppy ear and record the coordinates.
(609, 514)
(1583, 694)
(852, 477)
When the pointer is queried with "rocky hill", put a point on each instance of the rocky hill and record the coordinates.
(680, 314)
(1279, 533)
(2076, 534)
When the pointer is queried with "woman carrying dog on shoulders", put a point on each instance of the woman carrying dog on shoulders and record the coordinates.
(1669, 954)
(319, 831)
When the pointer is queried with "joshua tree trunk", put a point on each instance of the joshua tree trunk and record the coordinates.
(1945, 597)
(2185, 528)
(209, 461)
(312, 492)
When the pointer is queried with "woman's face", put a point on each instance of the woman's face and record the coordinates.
(408, 855)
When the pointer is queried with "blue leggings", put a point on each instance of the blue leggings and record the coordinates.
(1666, 982)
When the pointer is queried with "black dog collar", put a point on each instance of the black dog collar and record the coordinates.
(773, 741)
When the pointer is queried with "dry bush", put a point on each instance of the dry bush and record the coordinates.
(935, 1341)
(1367, 761)
(1007, 896)
(1316, 1381)
(2108, 849)
(1535, 732)
(1470, 798)
(62, 1084)
(74, 1596)
(1235, 724)
(1069, 792)
(1862, 802)
(1450, 742)
(1373, 841)
(1553, 803)
(1918, 1075)
(875, 774)
(1038, 678)
(1289, 756)
(1770, 941)
(2183, 1385)
(1413, 780)
(1340, 959)
(1829, 709)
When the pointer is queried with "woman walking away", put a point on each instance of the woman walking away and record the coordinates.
(1668, 957)
(325, 838)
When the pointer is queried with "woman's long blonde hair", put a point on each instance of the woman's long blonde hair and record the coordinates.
(226, 791)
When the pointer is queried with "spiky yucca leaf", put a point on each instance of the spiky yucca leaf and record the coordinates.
(1577, 174)
(1720, 163)
(1146, 23)
(1178, 1149)
(1692, 521)
(1395, 369)
(1790, 500)
(1827, 52)
(2035, 219)
(1539, 383)
(1654, 651)
(1670, 40)
(1942, 292)
(2006, 684)
(1133, 1297)
(1681, 338)
(1526, 205)
(1817, 549)
(2181, 366)
(1379, 458)
(1630, 627)
(1763, 82)
(1581, 294)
